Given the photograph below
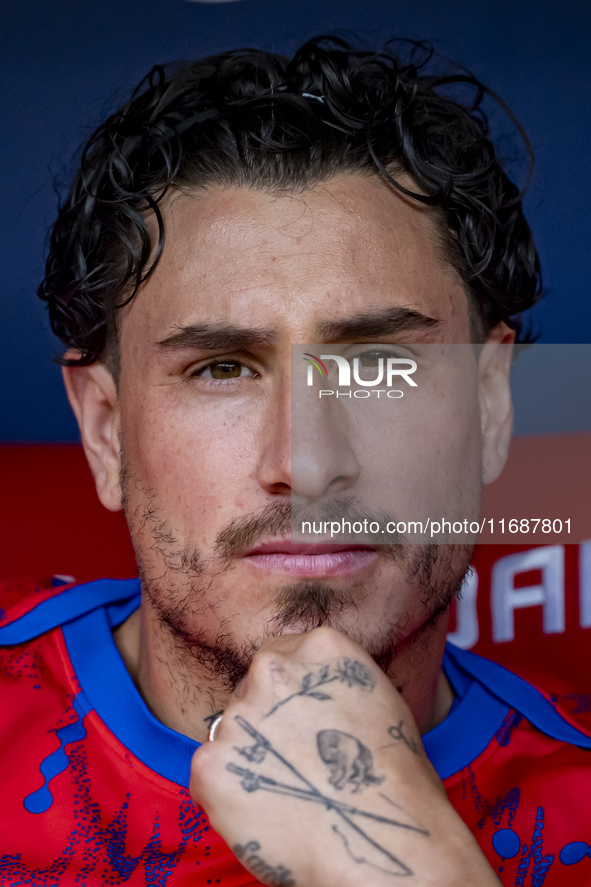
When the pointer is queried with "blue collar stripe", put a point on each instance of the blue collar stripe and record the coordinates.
(88, 614)
(111, 692)
(467, 731)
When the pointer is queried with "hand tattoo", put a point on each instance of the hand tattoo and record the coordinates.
(252, 781)
(211, 718)
(397, 733)
(349, 760)
(276, 876)
(345, 671)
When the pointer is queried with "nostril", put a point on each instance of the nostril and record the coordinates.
(281, 488)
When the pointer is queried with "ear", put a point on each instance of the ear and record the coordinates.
(93, 397)
(496, 407)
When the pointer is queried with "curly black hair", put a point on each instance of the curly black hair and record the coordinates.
(258, 119)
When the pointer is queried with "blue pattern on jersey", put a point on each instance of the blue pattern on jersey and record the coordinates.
(55, 763)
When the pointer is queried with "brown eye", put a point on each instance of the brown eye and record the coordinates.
(229, 369)
(223, 370)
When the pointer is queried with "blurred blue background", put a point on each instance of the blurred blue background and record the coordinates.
(64, 65)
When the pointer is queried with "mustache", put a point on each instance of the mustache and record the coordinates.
(283, 519)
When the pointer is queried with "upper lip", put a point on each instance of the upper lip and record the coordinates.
(284, 546)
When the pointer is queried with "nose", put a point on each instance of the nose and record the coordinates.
(323, 458)
(308, 451)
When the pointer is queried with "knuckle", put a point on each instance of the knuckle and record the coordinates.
(329, 641)
(202, 767)
(260, 674)
(262, 663)
(196, 763)
(196, 782)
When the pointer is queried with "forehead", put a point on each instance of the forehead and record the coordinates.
(293, 262)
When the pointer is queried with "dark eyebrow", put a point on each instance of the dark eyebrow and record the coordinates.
(218, 336)
(373, 324)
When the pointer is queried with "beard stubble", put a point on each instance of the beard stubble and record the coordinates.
(175, 580)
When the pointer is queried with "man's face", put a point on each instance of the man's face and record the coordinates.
(205, 415)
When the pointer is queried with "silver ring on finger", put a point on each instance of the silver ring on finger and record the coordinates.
(214, 725)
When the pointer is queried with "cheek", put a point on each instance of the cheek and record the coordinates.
(453, 461)
(195, 463)
(422, 455)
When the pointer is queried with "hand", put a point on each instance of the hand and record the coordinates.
(317, 776)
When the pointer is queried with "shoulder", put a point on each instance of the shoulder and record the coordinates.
(525, 794)
(34, 660)
(30, 611)
(549, 704)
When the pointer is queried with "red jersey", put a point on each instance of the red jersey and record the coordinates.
(95, 789)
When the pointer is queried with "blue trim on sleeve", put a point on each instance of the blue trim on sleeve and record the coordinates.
(69, 605)
(502, 684)
(112, 694)
(487, 692)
